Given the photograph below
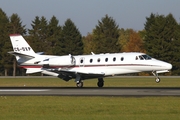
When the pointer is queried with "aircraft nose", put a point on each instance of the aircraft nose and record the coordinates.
(169, 66)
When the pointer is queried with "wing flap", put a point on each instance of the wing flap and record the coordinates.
(84, 75)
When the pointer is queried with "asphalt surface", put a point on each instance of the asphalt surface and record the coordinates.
(90, 91)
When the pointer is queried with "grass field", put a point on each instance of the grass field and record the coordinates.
(109, 82)
(89, 108)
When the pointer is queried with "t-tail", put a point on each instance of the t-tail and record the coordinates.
(22, 50)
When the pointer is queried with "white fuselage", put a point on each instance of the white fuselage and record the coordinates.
(107, 64)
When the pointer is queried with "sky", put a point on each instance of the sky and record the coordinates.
(86, 13)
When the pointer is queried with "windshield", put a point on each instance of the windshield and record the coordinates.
(146, 57)
(143, 57)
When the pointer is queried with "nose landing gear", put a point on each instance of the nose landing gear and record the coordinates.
(157, 80)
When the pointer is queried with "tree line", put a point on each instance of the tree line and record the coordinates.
(160, 39)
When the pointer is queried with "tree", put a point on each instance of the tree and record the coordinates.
(38, 34)
(5, 63)
(89, 44)
(54, 35)
(162, 39)
(173, 37)
(71, 42)
(15, 27)
(124, 37)
(135, 43)
(106, 36)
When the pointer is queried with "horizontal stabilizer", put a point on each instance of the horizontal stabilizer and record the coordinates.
(20, 54)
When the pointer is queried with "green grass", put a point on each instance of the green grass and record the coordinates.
(109, 82)
(89, 108)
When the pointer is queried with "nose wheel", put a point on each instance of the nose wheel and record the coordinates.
(157, 80)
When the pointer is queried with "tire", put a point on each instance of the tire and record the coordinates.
(100, 84)
(79, 85)
(157, 80)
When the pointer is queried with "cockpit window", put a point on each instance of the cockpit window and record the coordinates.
(146, 57)
(141, 58)
(136, 57)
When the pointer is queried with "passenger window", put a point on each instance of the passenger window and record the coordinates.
(106, 59)
(91, 60)
(122, 58)
(114, 59)
(81, 61)
(98, 60)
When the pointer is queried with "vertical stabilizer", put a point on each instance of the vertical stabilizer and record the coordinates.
(20, 45)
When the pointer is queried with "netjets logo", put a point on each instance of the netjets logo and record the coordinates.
(22, 49)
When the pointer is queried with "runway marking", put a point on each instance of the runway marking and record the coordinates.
(22, 90)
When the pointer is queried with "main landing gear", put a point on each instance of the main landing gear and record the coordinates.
(79, 82)
(157, 80)
(100, 82)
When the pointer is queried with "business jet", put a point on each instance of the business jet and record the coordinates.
(83, 67)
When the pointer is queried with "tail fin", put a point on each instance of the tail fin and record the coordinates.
(21, 46)
(22, 50)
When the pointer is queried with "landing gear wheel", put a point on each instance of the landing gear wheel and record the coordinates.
(156, 75)
(157, 80)
(79, 84)
(100, 84)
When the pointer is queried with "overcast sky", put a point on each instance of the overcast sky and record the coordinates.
(86, 13)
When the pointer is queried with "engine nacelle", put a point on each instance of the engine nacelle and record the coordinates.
(59, 61)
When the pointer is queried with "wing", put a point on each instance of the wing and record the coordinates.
(67, 75)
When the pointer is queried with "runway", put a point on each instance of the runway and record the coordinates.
(90, 91)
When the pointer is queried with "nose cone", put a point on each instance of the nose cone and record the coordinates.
(168, 66)
(164, 65)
